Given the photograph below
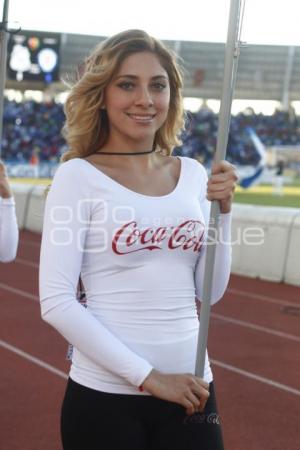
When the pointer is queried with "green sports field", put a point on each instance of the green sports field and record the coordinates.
(263, 195)
(257, 195)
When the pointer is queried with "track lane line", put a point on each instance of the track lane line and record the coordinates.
(252, 326)
(256, 377)
(32, 359)
(26, 262)
(20, 292)
(264, 298)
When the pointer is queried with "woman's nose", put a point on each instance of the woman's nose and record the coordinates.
(144, 97)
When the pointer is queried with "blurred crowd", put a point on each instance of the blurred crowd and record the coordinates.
(200, 136)
(32, 131)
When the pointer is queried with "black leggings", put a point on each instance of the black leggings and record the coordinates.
(93, 420)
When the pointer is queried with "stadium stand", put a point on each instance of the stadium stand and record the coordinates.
(33, 130)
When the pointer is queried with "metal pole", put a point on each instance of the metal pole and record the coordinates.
(3, 55)
(230, 70)
(287, 78)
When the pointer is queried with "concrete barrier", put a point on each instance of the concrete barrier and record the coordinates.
(22, 194)
(292, 267)
(263, 241)
(35, 210)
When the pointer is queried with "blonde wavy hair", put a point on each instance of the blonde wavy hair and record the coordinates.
(86, 128)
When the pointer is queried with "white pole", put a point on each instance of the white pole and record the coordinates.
(230, 70)
(3, 53)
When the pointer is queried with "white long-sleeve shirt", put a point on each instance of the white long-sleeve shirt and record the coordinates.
(141, 262)
(9, 233)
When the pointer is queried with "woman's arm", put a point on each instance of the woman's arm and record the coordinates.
(66, 214)
(220, 187)
(9, 233)
(222, 265)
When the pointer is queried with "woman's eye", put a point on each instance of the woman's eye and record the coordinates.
(127, 85)
(159, 86)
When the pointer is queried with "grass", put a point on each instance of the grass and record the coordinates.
(263, 195)
(288, 201)
(44, 181)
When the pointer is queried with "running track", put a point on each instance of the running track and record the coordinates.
(254, 345)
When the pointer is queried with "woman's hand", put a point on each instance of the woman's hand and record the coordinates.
(221, 185)
(185, 389)
(5, 190)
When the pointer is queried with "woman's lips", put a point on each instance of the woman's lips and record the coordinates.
(141, 117)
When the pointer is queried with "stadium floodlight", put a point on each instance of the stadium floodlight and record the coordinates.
(232, 51)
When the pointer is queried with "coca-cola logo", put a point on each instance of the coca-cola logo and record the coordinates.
(188, 235)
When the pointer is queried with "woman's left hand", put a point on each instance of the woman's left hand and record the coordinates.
(221, 185)
(5, 190)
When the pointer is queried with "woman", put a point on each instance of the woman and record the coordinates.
(9, 233)
(130, 219)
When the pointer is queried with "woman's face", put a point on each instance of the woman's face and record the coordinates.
(137, 101)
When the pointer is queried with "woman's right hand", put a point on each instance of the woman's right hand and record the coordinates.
(185, 389)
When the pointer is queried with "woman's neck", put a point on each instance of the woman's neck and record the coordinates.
(128, 147)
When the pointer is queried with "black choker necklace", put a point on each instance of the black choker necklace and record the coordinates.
(123, 153)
